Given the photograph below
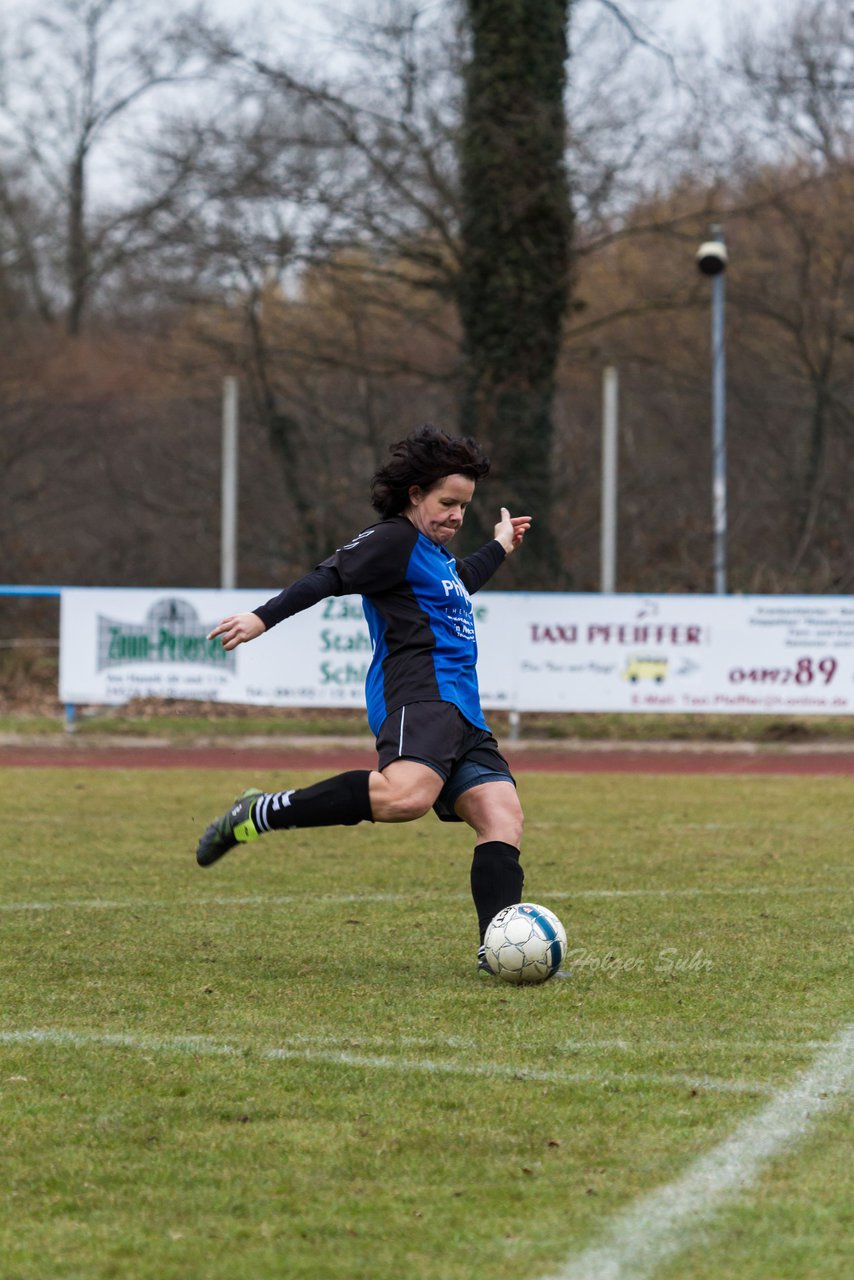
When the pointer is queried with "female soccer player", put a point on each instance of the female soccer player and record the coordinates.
(434, 747)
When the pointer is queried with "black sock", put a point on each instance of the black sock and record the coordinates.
(341, 801)
(496, 880)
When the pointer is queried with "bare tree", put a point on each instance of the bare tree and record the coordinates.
(322, 210)
(798, 286)
(799, 81)
(78, 74)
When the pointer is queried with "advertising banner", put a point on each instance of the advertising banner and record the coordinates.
(538, 651)
(667, 653)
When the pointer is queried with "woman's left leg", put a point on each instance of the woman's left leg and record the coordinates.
(493, 810)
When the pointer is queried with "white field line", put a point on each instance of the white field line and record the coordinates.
(200, 1046)
(696, 1045)
(355, 899)
(602, 1045)
(659, 1225)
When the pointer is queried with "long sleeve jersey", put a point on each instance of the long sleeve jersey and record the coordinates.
(417, 602)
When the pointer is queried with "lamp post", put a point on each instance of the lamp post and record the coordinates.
(712, 261)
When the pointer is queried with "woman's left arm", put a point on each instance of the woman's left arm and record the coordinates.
(476, 570)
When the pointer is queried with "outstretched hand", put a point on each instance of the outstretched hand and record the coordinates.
(511, 530)
(238, 629)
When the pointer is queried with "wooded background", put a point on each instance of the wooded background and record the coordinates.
(457, 213)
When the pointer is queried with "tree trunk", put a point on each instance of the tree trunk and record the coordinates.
(77, 253)
(516, 229)
(811, 499)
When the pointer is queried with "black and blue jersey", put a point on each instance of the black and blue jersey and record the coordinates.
(417, 602)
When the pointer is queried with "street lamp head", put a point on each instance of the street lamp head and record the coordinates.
(712, 258)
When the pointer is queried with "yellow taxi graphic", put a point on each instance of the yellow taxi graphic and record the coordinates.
(642, 668)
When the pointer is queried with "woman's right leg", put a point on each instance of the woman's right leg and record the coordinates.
(403, 791)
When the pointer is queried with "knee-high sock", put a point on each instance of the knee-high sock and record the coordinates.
(341, 801)
(496, 880)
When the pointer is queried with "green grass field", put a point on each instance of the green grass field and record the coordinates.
(285, 1066)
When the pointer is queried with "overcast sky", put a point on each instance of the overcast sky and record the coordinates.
(709, 20)
(713, 19)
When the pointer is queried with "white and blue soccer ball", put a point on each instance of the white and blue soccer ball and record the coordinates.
(525, 943)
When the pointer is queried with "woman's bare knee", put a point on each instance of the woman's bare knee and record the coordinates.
(494, 811)
(400, 808)
(403, 792)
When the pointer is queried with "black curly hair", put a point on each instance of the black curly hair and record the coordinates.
(424, 458)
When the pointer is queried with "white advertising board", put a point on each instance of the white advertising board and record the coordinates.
(667, 653)
(538, 651)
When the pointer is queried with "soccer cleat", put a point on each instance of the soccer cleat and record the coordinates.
(233, 828)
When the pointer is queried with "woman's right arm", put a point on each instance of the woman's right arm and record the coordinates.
(243, 627)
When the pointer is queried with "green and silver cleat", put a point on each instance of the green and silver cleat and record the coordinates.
(233, 828)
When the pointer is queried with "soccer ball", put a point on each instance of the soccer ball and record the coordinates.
(525, 943)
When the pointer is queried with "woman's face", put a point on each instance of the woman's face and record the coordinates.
(439, 512)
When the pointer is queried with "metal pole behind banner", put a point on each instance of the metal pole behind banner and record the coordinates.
(608, 555)
(228, 540)
(712, 259)
(719, 512)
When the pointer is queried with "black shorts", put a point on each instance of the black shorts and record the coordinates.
(438, 735)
